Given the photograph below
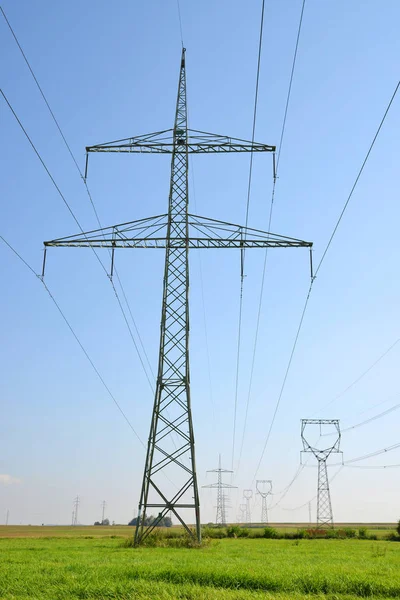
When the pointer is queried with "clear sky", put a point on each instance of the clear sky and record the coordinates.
(109, 71)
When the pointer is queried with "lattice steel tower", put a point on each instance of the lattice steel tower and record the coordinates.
(264, 489)
(247, 495)
(177, 232)
(324, 504)
(220, 519)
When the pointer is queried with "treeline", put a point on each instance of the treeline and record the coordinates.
(164, 522)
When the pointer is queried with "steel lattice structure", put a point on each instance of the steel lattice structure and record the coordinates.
(324, 504)
(220, 518)
(264, 489)
(247, 495)
(176, 232)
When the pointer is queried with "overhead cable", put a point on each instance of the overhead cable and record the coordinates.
(82, 231)
(100, 377)
(363, 374)
(246, 224)
(180, 20)
(308, 501)
(87, 190)
(382, 414)
(269, 229)
(317, 270)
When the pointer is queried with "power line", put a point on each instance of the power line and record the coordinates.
(357, 178)
(317, 270)
(75, 336)
(382, 414)
(373, 466)
(180, 20)
(81, 229)
(90, 199)
(372, 454)
(284, 381)
(48, 172)
(296, 475)
(313, 498)
(255, 111)
(353, 383)
(246, 224)
(290, 88)
(40, 89)
(269, 229)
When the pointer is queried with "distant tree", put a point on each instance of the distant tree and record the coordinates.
(398, 527)
(164, 522)
(167, 522)
(105, 522)
(97, 523)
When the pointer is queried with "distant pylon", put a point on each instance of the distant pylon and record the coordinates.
(264, 489)
(221, 497)
(75, 511)
(8, 514)
(248, 494)
(242, 508)
(324, 504)
(103, 505)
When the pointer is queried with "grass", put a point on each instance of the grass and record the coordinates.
(97, 566)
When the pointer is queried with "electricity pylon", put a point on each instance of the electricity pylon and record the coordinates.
(264, 489)
(221, 497)
(75, 511)
(242, 508)
(247, 495)
(177, 231)
(103, 506)
(324, 504)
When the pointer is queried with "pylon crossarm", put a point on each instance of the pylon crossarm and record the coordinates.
(213, 234)
(196, 142)
(220, 485)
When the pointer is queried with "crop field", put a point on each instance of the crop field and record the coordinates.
(89, 562)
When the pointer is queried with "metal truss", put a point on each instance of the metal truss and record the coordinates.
(264, 489)
(201, 232)
(170, 463)
(247, 495)
(221, 497)
(324, 504)
(194, 141)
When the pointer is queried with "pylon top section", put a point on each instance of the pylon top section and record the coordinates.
(326, 427)
(264, 487)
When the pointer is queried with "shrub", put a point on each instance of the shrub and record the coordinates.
(315, 533)
(270, 533)
(332, 534)
(256, 534)
(233, 531)
(216, 533)
(362, 533)
(392, 537)
(244, 533)
(349, 532)
(398, 527)
(301, 533)
(162, 539)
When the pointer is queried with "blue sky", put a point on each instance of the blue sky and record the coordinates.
(110, 72)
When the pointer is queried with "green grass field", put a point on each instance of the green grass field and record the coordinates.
(88, 562)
